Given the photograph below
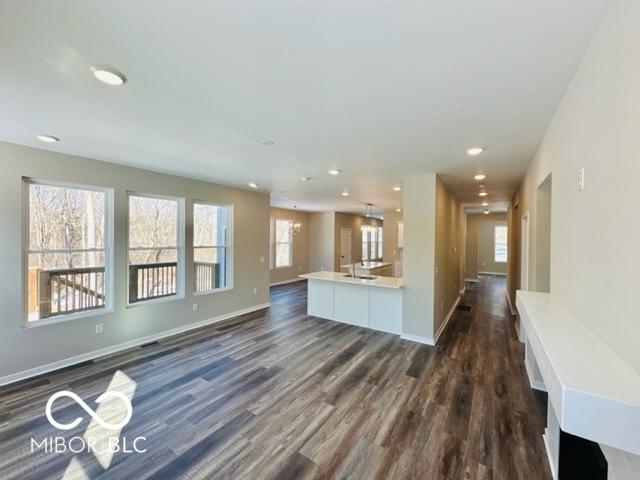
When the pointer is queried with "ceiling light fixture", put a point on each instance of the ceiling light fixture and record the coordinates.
(47, 138)
(397, 188)
(306, 179)
(485, 204)
(345, 194)
(267, 142)
(253, 185)
(475, 151)
(335, 171)
(398, 210)
(480, 176)
(109, 75)
(486, 212)
(483, 194)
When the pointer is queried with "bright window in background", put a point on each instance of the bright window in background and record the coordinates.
(212, 246)
(500, 244)
(68, 249)
(282, 243)
(156, 253)
(371, 243)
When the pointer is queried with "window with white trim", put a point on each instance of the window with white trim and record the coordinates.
(212, 246)
(500, 243)
(68, 250)
(281, 243)
(371, 243)
(155, 247)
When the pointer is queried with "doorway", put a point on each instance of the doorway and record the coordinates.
(345, 246)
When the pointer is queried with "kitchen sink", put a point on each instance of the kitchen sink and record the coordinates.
(361, 277)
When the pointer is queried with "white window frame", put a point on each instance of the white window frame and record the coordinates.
(495, 232)
(180, 248)
(108, 252)
(372, 238)
(273, 248)
(228, 245)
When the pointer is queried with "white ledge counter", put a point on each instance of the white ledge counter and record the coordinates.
(369, 268)
(375, 304)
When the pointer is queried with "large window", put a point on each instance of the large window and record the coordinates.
(68, 249)
(156, 254)
(212, 246)
(500, 244)
(281, 243)
(371, 243)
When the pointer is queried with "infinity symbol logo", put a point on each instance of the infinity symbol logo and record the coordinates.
(94, 415)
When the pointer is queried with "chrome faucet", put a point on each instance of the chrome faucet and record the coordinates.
(353, 267)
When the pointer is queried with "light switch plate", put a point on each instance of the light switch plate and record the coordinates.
(581, 179)
(99, 328)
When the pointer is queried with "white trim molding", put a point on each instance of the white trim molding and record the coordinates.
(418, 339)
(447, 318)
(501, 274)
(67, 362)
(474, 280)
(513, 312)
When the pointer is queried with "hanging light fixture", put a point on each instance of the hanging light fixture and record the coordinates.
(295, 226)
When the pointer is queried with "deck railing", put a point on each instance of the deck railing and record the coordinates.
(152, 280)
(207, 276)
(70, 290)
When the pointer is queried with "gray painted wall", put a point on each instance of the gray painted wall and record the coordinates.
(25, 348)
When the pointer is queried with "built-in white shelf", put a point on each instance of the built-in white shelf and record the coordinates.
(594, 393)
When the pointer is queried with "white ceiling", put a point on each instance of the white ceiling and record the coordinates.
(380, 89)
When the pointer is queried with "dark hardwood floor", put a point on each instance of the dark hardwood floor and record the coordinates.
(279, 395)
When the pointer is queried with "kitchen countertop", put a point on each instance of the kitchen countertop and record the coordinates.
(384, 282)
(366, 265)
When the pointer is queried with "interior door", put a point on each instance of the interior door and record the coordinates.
(345, 246)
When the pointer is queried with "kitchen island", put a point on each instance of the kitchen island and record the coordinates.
(374, 303)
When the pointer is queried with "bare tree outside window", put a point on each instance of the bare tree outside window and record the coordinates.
(66, 252)
(154, 247)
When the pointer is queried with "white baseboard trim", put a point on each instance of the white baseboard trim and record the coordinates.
(552, 463)
(475, 280)
(536, 385)
(418, 339)
(284, 282)
(462, 290)
(67, 362)
(513, 312)
(447, 318)
(501, 274)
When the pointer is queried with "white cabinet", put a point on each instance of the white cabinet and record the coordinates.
(385, 307)
(351, 304)
(320, 299)
(400, 234)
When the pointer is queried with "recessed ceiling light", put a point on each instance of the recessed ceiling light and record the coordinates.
(398, 210)
(345, 194)
(485, 204)
(47, 138)
(267, 142)
(253, 185)
(480, 176)
(397, 188)
(474, 151)
(109, 75)
(486, 212)
(335, 171)
(306, 179)
(483, 194)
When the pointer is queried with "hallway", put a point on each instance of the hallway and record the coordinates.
(278, 394)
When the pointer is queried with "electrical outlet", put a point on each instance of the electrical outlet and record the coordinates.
(262, 259)
(299, 269)
(442, 305)
(255, 291)
(581, 179)
(99, 328)
(195, 307)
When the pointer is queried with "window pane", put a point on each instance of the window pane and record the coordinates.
(65, 218)
(365, 251)
(500, 244)
(372, 250)
(153, 252)
(71, 220)
(283, 254)
(210, 225)
(212, 268)
(153, 222)
(283, 234)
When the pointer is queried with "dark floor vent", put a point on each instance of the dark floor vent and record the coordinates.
(464, 308)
